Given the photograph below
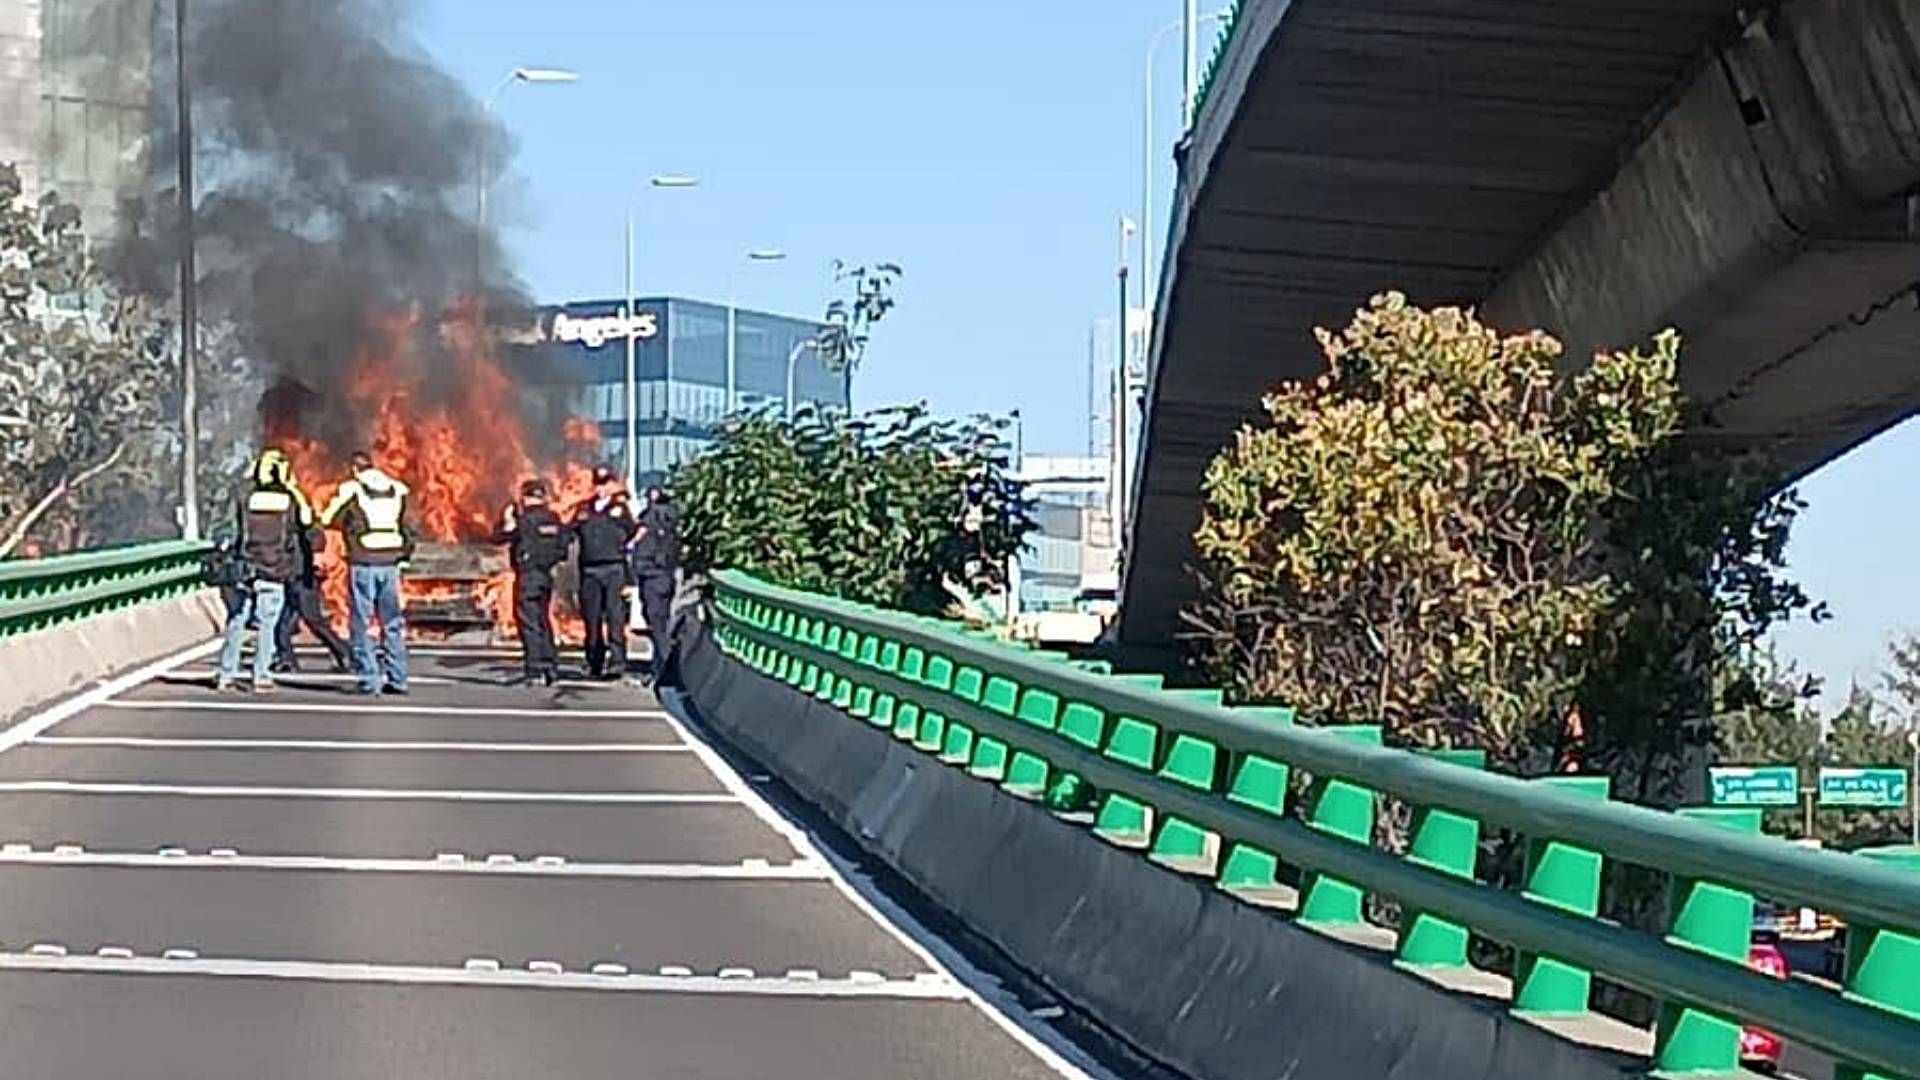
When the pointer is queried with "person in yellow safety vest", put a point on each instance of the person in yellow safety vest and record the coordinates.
(272, 513)
(371, 509)
(304, 603)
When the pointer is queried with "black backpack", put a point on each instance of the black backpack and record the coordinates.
(224, 567)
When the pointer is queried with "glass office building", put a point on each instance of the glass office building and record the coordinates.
(695, 363)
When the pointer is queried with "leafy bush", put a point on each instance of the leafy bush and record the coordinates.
(884, 508)
(1417, 538)
(1780, 727)
(84, 373)
(1448, 536)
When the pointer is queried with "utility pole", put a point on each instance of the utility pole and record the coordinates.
(1121, 356)
(1913, 783)
(189, 300)
(1192, 80)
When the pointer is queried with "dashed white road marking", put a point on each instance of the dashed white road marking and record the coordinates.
(146, 742)
(482, 971)
(378, 707)
(39, 723)
(893, 920)
(610, 798)
(175, 858)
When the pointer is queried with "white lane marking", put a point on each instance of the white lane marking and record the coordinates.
(482, 972)
(174, 858)
(633, 798)
(378, 708)
(295, 680)
(38, 724)
(145, 742)
(944, 960)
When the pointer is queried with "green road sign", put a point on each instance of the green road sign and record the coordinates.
(1754, 785)
(1863, 787)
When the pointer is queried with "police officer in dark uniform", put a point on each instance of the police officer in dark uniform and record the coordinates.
(538, 541)
(656, 562)
(605, 525)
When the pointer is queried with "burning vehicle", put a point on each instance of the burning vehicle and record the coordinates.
(438, 410)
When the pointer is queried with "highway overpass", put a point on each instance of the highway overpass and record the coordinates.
(1744, 172)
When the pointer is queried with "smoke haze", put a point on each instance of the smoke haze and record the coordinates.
(336, 172)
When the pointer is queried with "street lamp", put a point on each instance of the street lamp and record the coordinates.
(1019, 474)
(537, 76)
(189, 298)
(793, 359)
(662, 182)
(1146, 143)
(533, 75)
(756, 256)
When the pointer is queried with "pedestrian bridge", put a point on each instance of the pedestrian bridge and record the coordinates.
(859, 844)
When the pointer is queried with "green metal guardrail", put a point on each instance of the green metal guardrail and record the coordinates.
(1203, 788)
(38, 593)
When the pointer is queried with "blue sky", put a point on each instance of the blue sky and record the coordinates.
(988, 147)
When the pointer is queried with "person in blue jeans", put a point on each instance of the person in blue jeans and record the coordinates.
(258, 602)
(272, 514)
(371, 509)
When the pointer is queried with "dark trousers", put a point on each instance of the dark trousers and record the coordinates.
(533, 611)
(603, 604)
(305, 605)
(656, 606)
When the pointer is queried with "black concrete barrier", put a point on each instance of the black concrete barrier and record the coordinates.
(1207, 984)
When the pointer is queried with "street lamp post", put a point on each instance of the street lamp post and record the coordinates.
(1147, 161)
(755, 256)
(663, 182)
(793, 360)
(1123, 342)
(1191, 20)
(1913, 784)
(537, 76)
(189, 300)
(1013, 560)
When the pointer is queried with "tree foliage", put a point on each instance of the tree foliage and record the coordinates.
(1450, 535)
(850, 319)
(85, 373)
(1413, 540)
(1696, 547)
(1779, 726)
(885, 508)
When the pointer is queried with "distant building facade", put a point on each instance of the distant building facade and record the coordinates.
(1070, 553)
(695, 363)
(76, 80)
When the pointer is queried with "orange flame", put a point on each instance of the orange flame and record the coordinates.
(457, 442)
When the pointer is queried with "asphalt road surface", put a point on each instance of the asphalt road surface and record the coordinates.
(476, 881)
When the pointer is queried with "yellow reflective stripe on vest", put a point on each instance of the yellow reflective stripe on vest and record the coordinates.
(382, 512)
(269, 502)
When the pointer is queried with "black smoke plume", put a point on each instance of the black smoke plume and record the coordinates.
(337, 183)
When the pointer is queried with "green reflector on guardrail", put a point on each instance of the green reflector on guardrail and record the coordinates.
(1345, 810)
(1450, 843)
(1565, 876)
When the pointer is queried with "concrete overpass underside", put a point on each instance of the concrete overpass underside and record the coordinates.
(1602, 169)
